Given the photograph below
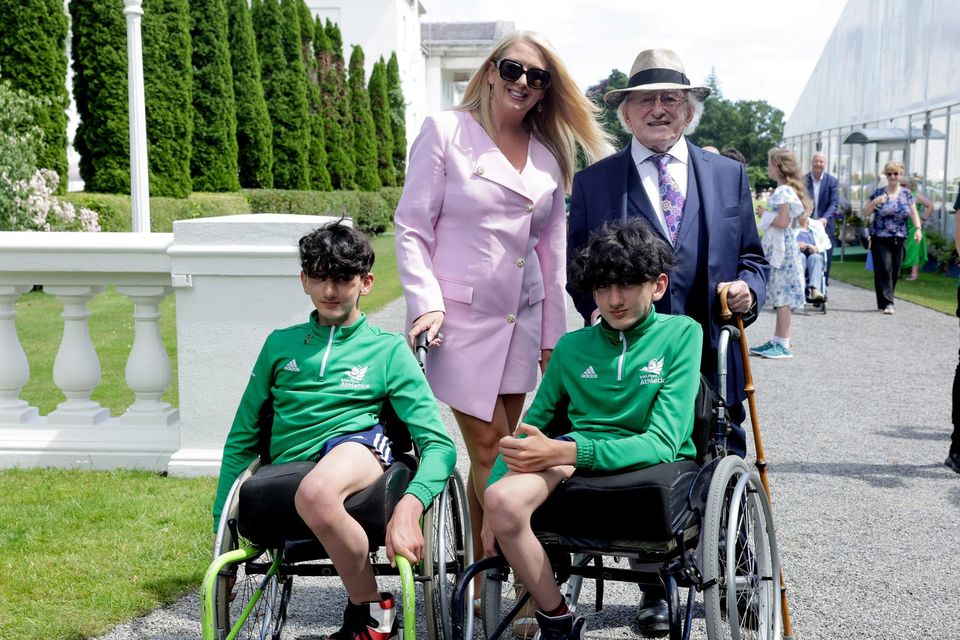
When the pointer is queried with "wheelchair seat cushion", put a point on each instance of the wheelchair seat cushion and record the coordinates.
(268, 515)
(648, 504)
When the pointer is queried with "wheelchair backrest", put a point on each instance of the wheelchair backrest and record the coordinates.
(393, 427)
(706, 411)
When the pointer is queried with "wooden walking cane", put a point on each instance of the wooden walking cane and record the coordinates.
(761, 462)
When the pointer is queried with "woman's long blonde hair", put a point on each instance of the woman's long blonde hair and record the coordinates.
(564, 118)
(789, 170)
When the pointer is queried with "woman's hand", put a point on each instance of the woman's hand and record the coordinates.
(545, 359)
(918, 235)
(430, 322)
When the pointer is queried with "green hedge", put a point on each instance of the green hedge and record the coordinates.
(372, 210)
(115, 214)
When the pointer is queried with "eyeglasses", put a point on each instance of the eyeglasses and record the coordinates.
(893, 173)
(669, 101)
(511, 70)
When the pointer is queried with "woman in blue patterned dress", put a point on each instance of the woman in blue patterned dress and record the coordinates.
(890, 206)
(785, 289)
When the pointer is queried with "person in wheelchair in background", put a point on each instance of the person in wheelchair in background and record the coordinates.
(327, 381)
(814, 243)
(630, 383)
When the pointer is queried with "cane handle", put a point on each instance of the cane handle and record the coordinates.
(725, 312)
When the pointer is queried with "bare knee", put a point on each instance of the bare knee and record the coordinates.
(317, 504)
(507, 512)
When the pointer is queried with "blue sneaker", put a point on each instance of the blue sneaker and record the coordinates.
(759, 351)
(777, 352)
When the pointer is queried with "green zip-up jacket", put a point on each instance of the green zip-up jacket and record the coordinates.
(631, 393)
(329, 381)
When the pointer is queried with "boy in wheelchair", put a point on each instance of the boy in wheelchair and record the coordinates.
(326, 381)
(630, 381)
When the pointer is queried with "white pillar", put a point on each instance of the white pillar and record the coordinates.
(14, 367)
(76, 370)
(139, 181)
(148, 371)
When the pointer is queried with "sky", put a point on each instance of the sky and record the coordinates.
(760, 49)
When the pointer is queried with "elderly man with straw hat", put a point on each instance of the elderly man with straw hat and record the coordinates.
(699, 202)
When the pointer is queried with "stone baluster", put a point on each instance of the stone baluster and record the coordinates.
(14, 366)
(76, 370)
(148, 371)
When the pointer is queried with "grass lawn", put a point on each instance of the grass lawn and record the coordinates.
(84, 550)
(932, 290)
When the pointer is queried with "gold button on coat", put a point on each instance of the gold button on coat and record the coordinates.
(511, 318)
(529, 208)
(521, 262)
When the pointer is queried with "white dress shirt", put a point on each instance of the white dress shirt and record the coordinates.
(816, 190)
(650, 177)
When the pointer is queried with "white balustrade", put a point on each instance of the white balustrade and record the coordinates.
(235, 280)
(148, 371)
(15, 370)
(76, 371)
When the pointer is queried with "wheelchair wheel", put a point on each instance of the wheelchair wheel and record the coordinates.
(448, 550)
(740, 559)
(499, 597)
(234, 590)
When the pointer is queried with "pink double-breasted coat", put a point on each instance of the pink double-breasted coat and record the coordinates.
(486, 245)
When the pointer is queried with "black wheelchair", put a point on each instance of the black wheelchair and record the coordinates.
(262, 544)
(705, 525)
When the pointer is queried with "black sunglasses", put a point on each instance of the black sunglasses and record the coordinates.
(511, 70)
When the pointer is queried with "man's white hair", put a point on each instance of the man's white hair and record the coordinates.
(695, 104)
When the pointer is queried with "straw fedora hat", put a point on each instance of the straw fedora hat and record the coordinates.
(653, 70)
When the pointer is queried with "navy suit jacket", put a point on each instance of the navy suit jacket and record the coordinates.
(718, 240)
(828, 202)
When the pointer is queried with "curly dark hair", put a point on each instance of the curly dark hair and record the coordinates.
(622, 252)
(336, 250)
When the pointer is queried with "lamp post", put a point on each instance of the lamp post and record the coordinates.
(139, 180)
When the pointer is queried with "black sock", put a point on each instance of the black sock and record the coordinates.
(562, 610)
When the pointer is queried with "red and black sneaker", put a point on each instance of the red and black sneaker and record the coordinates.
(369, 620)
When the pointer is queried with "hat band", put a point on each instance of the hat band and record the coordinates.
(657, 76)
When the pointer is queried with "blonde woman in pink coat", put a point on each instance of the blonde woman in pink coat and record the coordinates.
(481, 238)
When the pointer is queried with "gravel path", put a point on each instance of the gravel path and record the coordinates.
(855, 428)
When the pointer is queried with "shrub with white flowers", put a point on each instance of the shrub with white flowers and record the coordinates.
(45, 212)
(27, 200)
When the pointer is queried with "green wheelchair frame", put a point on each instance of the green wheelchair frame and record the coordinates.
(266, 587)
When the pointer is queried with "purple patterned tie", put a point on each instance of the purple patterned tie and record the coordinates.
(671, 198)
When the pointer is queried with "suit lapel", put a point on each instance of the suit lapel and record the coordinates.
(492, 165)
(701, 180)
(636, 202)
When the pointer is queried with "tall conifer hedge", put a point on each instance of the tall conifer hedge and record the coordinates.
(99, 46)
(254, 131)
(330, 92)
(33, 57)
(380, 110)
(343, 104)
(213, 165)
(364, 131)
(398, 117)
(285, 91)
(167, 78)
